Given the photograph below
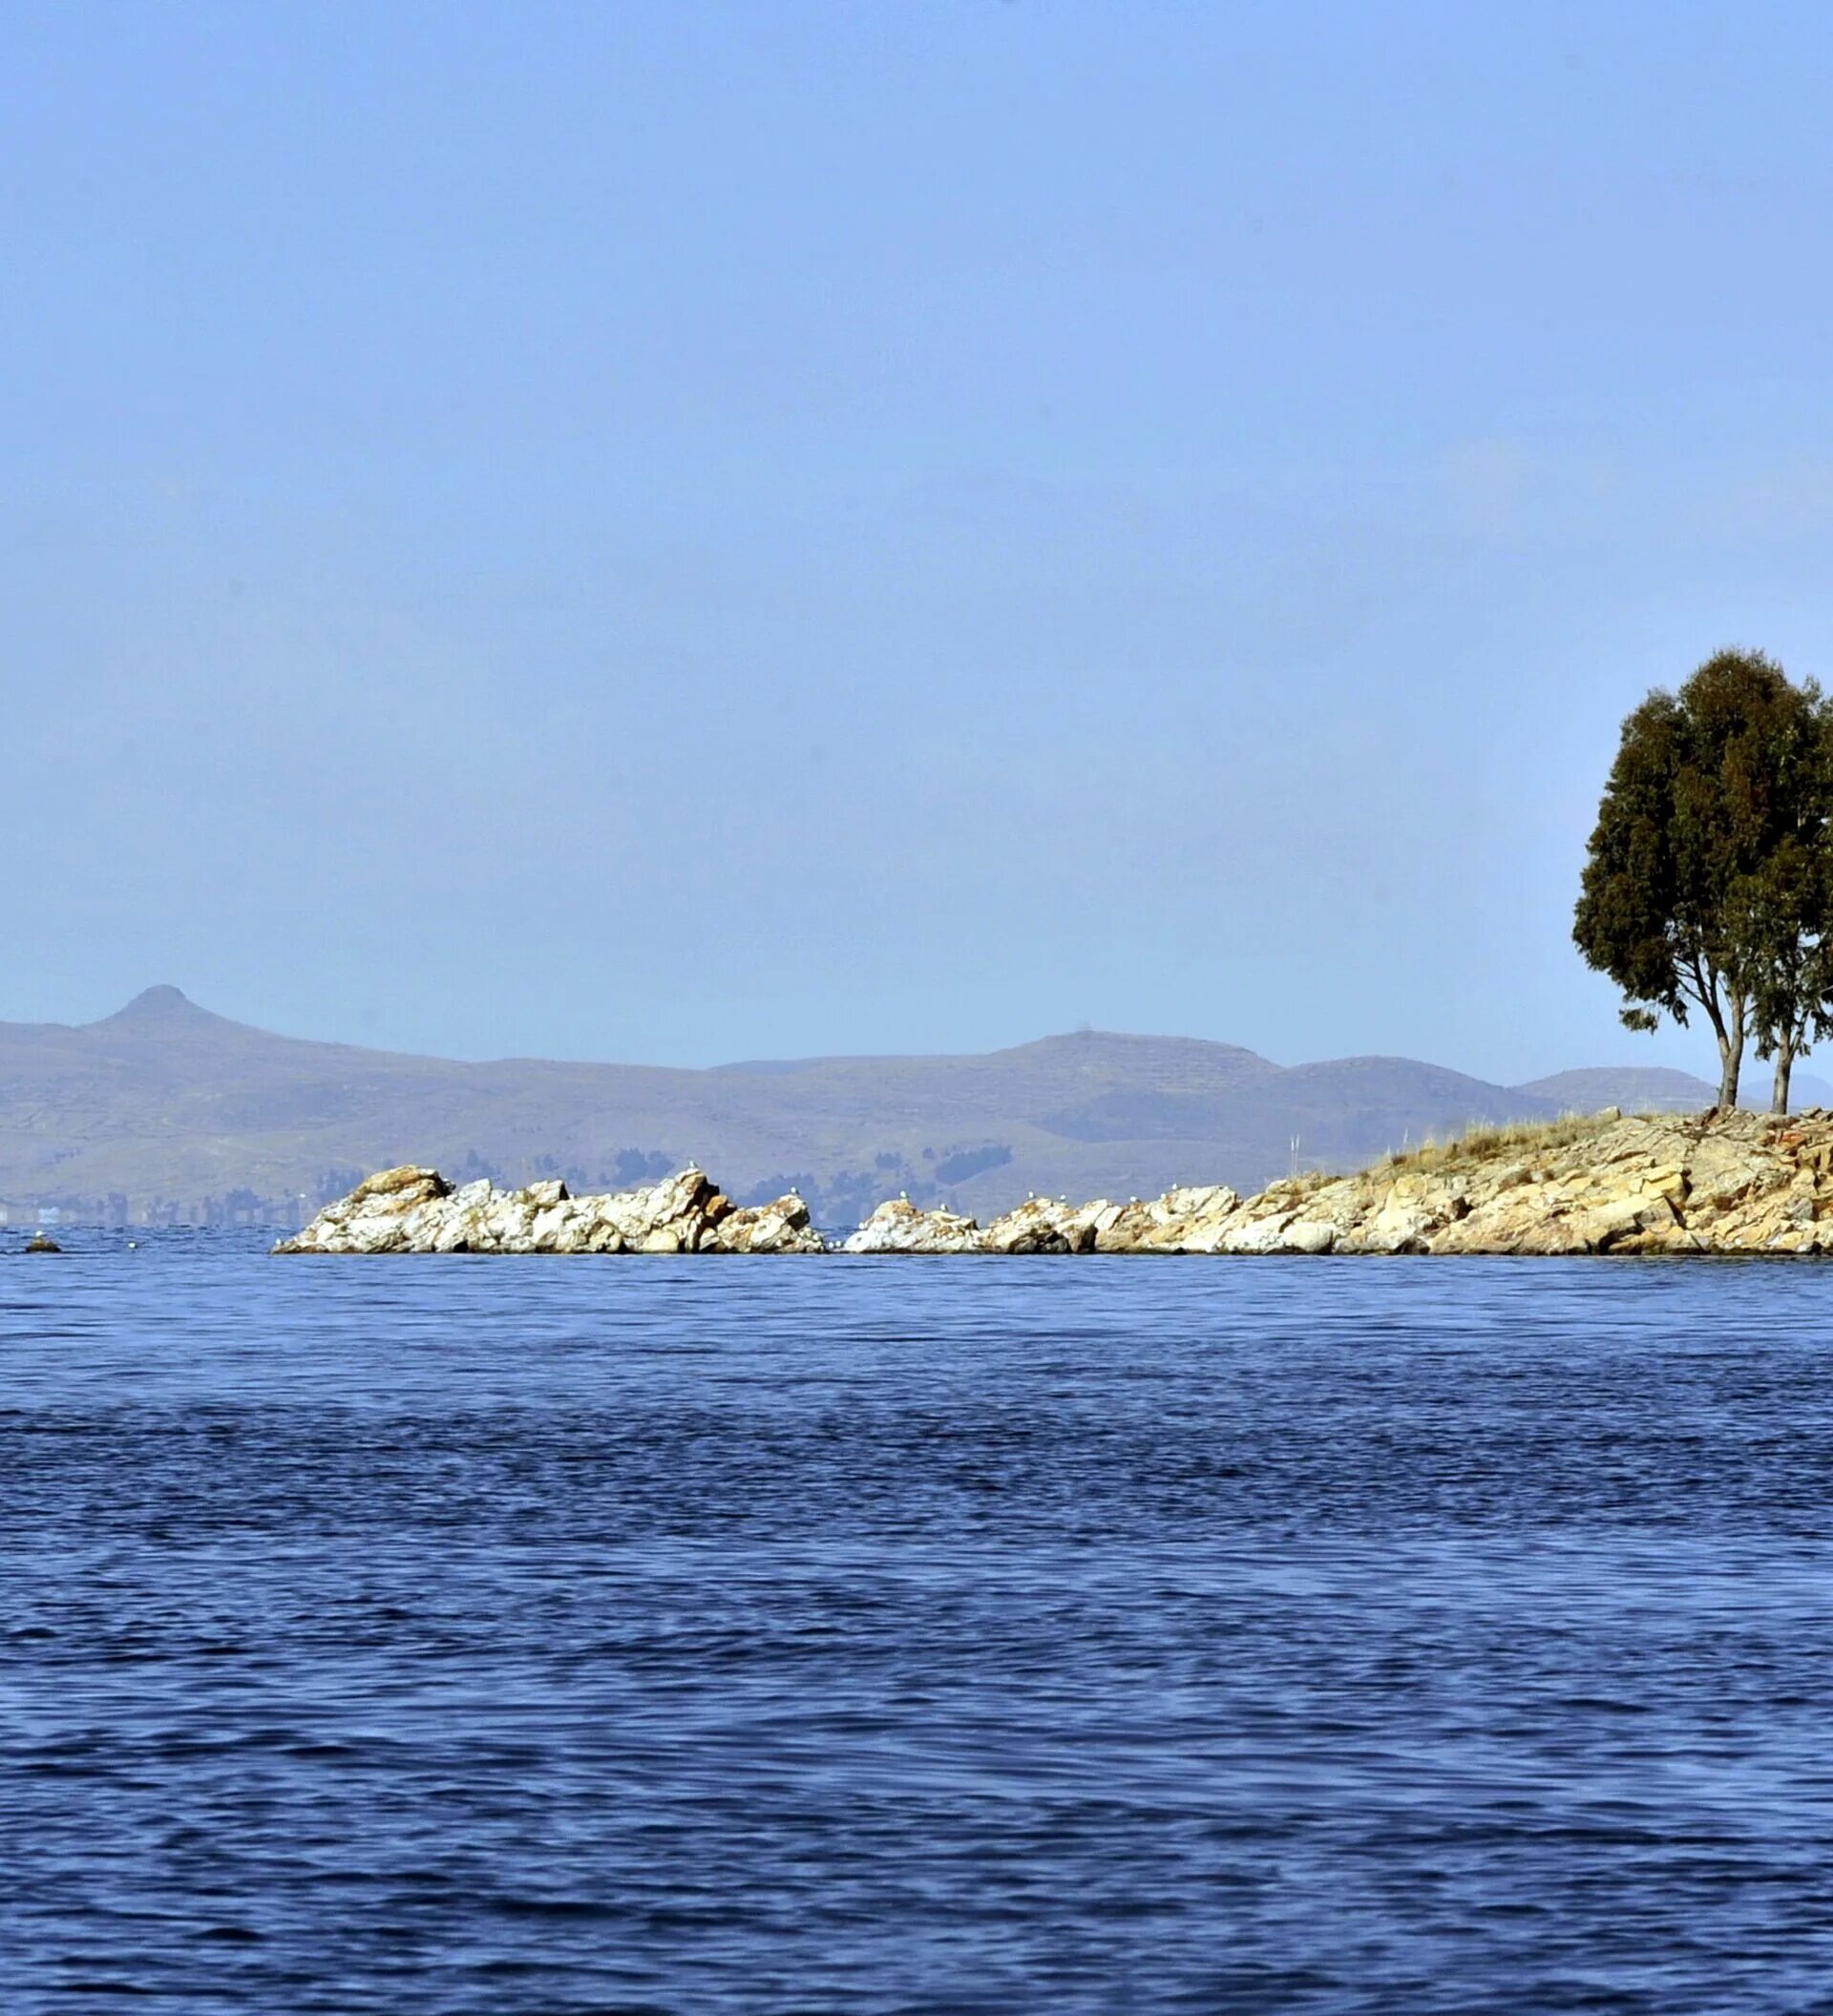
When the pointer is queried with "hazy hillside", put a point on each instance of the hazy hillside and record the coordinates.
(1648, 1088)
(167, 1104)
(1651, 1088)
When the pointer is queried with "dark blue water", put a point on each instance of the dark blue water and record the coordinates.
(979, 1635)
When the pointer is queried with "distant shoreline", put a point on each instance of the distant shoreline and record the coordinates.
(167, 1114)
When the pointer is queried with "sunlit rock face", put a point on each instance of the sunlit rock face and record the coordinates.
(1665, 1183)
(415, 1211)
(900, 1227)
(1733, 1183)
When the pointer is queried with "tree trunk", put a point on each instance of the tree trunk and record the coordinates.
(1731, 1058)
(1785, 1064)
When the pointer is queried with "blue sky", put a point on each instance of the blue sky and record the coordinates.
(677, 533)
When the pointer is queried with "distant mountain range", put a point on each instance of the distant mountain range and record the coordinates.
(166, 1110)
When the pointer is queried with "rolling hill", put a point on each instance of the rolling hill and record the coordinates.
(167, 1111)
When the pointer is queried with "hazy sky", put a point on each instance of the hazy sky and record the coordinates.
(676, 532)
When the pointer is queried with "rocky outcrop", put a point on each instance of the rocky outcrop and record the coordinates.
(1183, 1221)
(1735, 1183)
(1667, 1182)
(415, 1211)
(900, 1227)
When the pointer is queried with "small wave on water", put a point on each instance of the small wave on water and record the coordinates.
(1177, 1635)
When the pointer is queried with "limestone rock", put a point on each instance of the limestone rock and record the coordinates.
(900, 1227)
(1182, 1221)
(1043, 1225)
(401, 1187)
(413, 1211)
(781, 1227)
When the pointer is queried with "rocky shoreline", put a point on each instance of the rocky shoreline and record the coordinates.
(1712, 1182)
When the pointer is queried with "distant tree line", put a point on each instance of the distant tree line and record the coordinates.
(1708, 888)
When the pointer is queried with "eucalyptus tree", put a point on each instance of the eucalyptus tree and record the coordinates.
(1705, 882)
(1789, 919)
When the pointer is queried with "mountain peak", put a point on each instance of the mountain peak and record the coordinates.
(162, 1007)
(154, 1000)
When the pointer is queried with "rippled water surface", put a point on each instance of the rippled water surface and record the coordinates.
(1198, 1636)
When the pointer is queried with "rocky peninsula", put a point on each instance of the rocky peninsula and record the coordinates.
(1710, 1183)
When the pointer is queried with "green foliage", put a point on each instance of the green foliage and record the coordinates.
(1708, 883)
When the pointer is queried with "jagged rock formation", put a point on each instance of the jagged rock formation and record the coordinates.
(1738, 1182)
(1182, 1221)
(900, 1227)
(1664, 1183)
(415, 1210)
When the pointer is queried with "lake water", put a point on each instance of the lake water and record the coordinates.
(878, 1635)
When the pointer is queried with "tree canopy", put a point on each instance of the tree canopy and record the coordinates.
(1708, 882)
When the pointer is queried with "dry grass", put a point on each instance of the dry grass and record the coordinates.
(1486, 1141)
(1302, 1183)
